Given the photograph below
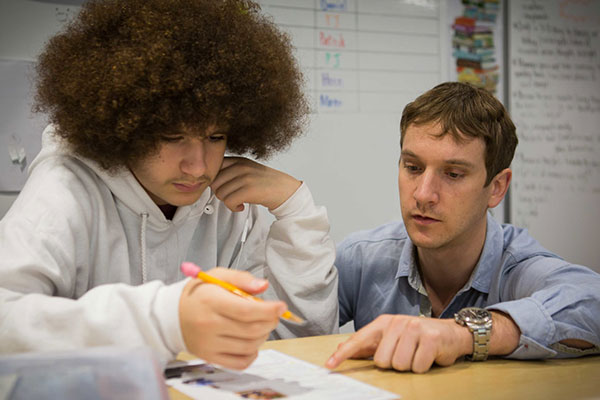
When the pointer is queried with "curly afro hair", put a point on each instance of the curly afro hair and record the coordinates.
(125, 72)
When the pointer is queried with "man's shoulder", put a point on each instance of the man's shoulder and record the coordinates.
(521, 245)
(521, 250)
(386, 238)
(372, 255)
(526, 260)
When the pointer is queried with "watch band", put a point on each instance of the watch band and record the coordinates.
(481, 341)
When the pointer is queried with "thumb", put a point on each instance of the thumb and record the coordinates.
(241, 279)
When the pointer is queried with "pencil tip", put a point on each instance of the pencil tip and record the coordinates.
(294, 318)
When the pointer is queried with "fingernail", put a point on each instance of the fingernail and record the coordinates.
(257, 284)
(331, 362)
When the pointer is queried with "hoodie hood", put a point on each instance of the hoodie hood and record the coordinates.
(124, 186)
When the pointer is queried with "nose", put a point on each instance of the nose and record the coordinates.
(426, 192)
(194, 158)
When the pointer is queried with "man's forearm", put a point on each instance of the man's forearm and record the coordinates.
(506, 334)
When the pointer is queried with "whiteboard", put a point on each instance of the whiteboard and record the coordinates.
(554, 88)
(363, 61)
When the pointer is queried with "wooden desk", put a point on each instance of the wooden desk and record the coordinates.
(497, 378)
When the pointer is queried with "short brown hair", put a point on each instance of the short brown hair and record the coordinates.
(465, 110)
(125, 72)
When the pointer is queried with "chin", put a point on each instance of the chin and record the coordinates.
(424, 244)
(423, 241)
(181, 201)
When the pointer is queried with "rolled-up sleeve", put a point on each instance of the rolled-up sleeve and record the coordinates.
(551, 300)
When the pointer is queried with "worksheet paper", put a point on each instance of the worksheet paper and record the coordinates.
(273, 375)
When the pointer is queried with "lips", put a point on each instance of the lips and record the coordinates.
(423, 219)
(187, 187)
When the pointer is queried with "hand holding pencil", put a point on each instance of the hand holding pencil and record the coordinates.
(225, 329)
(192, 270)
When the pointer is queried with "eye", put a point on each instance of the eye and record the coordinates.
(217, 138)
(454, 175)
(171, 139)
(411, 168)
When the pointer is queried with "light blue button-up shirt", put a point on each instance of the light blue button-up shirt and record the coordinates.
(548, 298)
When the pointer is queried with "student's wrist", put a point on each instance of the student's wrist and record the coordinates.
(299, 203)
(287, 190)
(166, 312)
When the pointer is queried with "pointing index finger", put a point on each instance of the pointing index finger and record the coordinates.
(359, 344)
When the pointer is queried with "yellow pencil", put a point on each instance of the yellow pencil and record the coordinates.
(192, 270)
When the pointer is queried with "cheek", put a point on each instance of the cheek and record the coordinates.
(468, 203)
(157, 170)
(165, 155)
(215, 160)
(404, 187)
(167, 162)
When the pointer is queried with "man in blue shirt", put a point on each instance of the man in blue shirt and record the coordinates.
(483, 288)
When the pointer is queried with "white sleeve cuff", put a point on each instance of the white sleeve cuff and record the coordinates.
(298, 204)
(166, 311)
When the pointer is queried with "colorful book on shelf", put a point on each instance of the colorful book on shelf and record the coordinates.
(471, 29)
(474, 56)
(482, 13)
(481, 77)
(469, 41)
(493, 69)
(465, 21)
(461, 62)
(482, 51)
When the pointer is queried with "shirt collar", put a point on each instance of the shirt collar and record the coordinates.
(406, 261)
(482, 275)
(490, 256)
(407, 266)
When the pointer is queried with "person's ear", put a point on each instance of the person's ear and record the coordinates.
(499, 186)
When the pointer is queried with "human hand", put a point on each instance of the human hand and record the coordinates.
(245, 181)
(406, 343)
(223, 328)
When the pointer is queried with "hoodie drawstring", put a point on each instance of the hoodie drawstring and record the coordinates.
(242, 241)
(143, 246)
(208, 209)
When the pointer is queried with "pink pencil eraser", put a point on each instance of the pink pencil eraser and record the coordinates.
(189, 269)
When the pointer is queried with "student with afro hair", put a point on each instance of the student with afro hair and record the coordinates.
(144, 98)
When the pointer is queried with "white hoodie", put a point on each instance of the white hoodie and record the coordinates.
(88, 259)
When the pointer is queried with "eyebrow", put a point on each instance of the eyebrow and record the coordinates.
(451, 161)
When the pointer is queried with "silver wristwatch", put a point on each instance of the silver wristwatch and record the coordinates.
(479, 322)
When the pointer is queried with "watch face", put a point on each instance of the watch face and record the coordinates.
(474, 314)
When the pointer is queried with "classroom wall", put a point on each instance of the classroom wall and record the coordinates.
(6, 200)
(24, 27)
